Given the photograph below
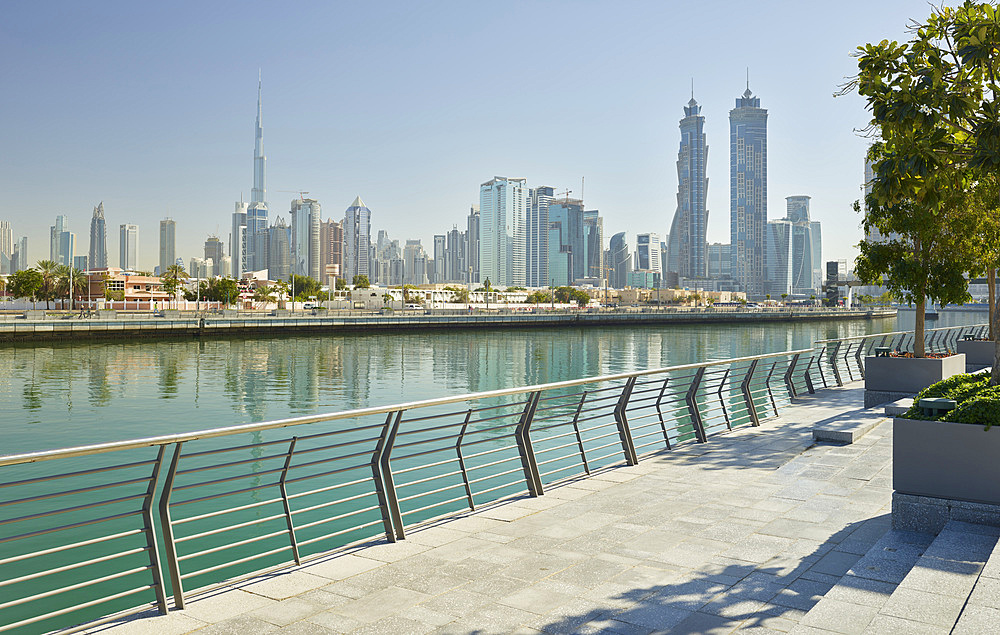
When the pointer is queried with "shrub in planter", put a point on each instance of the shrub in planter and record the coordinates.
(978, 402)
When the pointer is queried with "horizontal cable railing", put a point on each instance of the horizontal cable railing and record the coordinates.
(92, 532)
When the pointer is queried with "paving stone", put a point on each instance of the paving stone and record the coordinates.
(287, 611)
(976, 620)
(889, 625)
(839, 617)
(921, 606)
(240, 625)
(382, 603)
(835, 563)
(285, 585)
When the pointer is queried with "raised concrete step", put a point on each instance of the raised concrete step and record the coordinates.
(982, 610)
(898, 407)
(913, 583)
(848, 427)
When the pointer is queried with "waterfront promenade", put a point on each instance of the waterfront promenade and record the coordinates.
(227, 323)
(761, 530)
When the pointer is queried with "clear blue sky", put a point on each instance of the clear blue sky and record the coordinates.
(150, 108)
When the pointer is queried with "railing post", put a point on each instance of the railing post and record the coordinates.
(576, 429)
(381, 489)
(621, 418)
(847, 361)
(461, 460)
(150, 530)
(722, 400)
(836, 368)
(808, 377)
(767, 383)
(528, 463)
(659, 412)
(789, 385)
(747, 396)
(173, 564)
(692, 403)
(930, 341)
(857, 357)
(390, 485)
(285, 503)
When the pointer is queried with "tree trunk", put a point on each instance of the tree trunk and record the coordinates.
(991, 282)
(918, 328)
(995, 328)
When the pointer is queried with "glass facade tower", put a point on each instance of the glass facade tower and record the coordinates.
(748, 193)
(503, 206)
(98, 256)
(686, 244)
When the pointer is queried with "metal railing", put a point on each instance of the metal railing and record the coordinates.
(91, 533)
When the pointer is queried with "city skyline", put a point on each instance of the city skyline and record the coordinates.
(410, 148)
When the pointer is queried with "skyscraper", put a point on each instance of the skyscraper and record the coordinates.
(214, 252)
(19, 256)
(440, 247)
(503, 205)
(238, 240)
(128, 245)
(647, 254)
(279, 259)
(357, 240)
(593, 246)
(305, 215)
(621, 261)
(257, 210)
(331, 251)
(748, 192)
(472, 235)
(687, 245)
(537, 235)
(168, 252)
(6, 247)
(62, 245)
(98, 256)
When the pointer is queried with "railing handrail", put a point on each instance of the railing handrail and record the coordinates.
(100, 448)
(909, 332)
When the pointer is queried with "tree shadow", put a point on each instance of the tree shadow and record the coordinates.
(772, 595)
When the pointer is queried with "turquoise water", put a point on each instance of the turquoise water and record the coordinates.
(58, 395)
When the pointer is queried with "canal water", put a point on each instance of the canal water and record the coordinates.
(59, 395)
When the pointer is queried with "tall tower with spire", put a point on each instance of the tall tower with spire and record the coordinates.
(748, 192)
(687, 248)
(257, 210)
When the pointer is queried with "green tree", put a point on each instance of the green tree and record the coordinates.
(339, 284)
(264, 295)
(221, 290)
(934, 103)
(70, 282)
(538, 297)
(305, 286)
(48, 269)
(361, 282)
(172, 278)
(25, 283)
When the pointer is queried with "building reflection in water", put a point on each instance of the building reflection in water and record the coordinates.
(55, 395)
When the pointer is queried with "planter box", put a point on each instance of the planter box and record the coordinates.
(978, 352)
(956, 461)
(908, 374)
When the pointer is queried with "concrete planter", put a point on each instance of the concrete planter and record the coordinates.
(955, 461)
(978, 352)
(909, 374)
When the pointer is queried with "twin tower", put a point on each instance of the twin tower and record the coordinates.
(687, 248)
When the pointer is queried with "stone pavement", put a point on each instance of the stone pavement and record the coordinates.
(747, 532)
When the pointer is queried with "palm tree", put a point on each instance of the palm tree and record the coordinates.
(68, 281)
(263, 295)
(48, 270)
(172, 277)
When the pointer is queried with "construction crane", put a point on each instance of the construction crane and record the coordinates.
(301, 193)
(566, 194)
